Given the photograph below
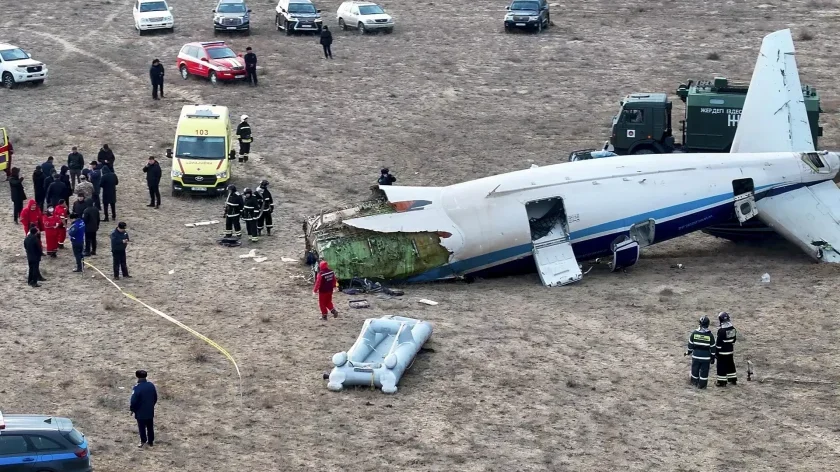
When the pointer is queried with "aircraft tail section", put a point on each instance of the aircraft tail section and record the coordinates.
(774, 118)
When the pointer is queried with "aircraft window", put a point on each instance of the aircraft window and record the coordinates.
(813, 160)
(634, 116)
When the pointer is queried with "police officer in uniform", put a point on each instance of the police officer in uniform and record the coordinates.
(251, 213)
(265, 221)
(243, 134)
(701, 346)
(726, 351)
(232, 213)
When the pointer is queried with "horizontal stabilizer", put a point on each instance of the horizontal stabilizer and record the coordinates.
(774, 118)
(808, 217)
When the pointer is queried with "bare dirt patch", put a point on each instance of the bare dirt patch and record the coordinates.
(587, 377)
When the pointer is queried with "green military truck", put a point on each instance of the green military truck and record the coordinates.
(712, 110)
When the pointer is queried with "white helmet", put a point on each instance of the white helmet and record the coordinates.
(243, 117)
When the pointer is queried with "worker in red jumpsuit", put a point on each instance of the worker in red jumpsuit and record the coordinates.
(51, 223)
(324, 285)
(31, 214)
(61, 212)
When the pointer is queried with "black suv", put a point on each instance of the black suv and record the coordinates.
(527, 14)
(42, 443)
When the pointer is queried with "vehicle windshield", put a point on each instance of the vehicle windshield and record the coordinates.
(221, 53)
(301, 8)
(370, 10)
(13, 55)
(153, 6)
(525, 6)
(231, 8)
(200, 147)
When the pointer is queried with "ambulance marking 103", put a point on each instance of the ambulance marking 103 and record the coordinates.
(733, 114)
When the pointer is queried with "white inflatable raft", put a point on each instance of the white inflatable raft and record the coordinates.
(381, 354)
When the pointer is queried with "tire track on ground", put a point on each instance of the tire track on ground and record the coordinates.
(118, 9)
(180, 92)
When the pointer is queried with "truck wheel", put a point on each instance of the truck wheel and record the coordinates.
(213, 79)
(184, 73)
(341, 24)
(8, 81)
(539, 27)
(361, 28)
(643, 151)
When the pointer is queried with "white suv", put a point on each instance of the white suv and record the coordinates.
(152, 15)
(17, 66)
(364, 16)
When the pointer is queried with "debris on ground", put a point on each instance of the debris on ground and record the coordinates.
(251, 253)
(678, 266)
(229, 242)
(201, 223)
(288, 259)
(765, 278)
(260, 259)
(171, 271)
(427, 302)
(393, 292)
(360, 303)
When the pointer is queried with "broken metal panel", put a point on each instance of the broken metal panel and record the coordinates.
(354, 252)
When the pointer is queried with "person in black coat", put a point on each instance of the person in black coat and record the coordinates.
(48, 166)
(55, 191)
(95, 177)
(80, 205)
(326, 41)
(143, 401)
(108, 183)
(250, 66)
(156, 75)
(17, 192)
(106, 157)
(91, 219)
(38, 179)
(68, 183)
(119, 241)
(153, 173)
(34, 252)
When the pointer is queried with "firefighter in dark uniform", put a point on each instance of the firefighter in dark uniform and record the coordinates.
(232, 213)
(250, 66)
(265, 221)
(385, 177)
(726, 351)
(251, 213)
(701, 346)
(243, 134)
(259, 196)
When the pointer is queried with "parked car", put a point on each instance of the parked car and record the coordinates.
(364, 16)
(297, 15)
(213, 60)
(527, 14)
(153, 15)
(42, 443)
(17, 66)
(232, 15)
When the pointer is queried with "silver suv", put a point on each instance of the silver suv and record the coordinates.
(232, 15)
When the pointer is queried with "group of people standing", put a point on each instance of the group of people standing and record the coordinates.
(52, 214)
(705, 348)
(253, 207)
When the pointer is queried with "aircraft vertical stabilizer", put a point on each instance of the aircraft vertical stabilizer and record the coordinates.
(774, 118)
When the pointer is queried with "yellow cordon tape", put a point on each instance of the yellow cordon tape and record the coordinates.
(173, 320)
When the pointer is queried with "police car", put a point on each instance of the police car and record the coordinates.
(42, 443)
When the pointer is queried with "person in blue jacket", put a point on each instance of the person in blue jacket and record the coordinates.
(143, 400)
(77, 240)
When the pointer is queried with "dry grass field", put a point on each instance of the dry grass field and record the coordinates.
(579, 378)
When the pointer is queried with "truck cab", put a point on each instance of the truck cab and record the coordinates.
(712, 112)
(203, 151)
(642, 125)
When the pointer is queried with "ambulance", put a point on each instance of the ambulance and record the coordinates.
(5, 152)
(203, 151)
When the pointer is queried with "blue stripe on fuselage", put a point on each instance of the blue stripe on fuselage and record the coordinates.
(600, 245)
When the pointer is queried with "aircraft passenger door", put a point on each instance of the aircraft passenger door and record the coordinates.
(556, 262)
(744, 191)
